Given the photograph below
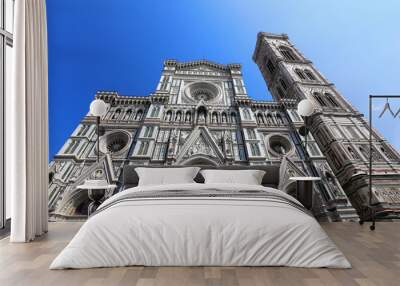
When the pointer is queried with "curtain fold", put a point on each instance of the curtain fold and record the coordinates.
(27, 124)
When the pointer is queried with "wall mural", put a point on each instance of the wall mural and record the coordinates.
(200, 114)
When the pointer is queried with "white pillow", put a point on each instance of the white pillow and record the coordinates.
(248, 177)
(166, 176)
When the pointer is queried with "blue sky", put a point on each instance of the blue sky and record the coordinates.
(121, 44)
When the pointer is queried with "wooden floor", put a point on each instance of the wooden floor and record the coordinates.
(375, 257)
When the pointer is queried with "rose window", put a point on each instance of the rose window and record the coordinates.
(280, 145)
(114, 142)
(204, 91)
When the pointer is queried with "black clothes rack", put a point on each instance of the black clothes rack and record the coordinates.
(371, 213)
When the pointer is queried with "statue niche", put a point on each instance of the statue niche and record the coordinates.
(201, 115)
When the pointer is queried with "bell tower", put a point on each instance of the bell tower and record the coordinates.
(340, 131)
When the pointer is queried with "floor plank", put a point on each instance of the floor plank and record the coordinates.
(375, 257)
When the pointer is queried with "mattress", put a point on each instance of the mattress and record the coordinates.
(201, 225)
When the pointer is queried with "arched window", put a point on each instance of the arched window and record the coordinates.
(224, 118)
(144, 147)
(279, 118)
(255, 149)
(72, 147)
(139, 115)
(280, 92)
(149, 131)
(319, 99)
(116, 114)
(168, 115)
(309, 74)
(82, 130)
(283, 84)
(155, 111)
(288, 54)
(260, 118)
(128, 114)
(214, 117)
(387, 154)
(352, 153)
(164, 83)
(188, 116)
(178, 116)
(270, 120)
(251, 133)
(331, 100)
(270, 66)
(246, 114)
(233, 117)
(300, 74)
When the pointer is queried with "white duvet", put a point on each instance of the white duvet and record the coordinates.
(210, 229)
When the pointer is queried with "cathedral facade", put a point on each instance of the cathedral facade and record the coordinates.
(200, 114)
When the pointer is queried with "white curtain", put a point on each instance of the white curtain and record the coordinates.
(26, 123)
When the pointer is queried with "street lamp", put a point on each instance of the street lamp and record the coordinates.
(98, 108)
(305, 108)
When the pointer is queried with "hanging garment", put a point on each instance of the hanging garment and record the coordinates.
(387, 107)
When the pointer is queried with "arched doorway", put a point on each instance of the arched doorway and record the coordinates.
(200, 160)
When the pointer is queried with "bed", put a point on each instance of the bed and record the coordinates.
(201, 224)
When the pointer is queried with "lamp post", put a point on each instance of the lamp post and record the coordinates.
(98, 108)
(305, 108)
